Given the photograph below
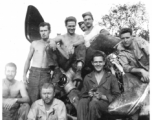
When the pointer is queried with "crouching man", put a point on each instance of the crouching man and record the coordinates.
(15, 97)
(47, 108)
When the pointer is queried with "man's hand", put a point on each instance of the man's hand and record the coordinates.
(25, 79)
(9, 103)
(145, 75)
(91, 93)
(99, 95)
(71, 50)
(79, 65)
(53, 45)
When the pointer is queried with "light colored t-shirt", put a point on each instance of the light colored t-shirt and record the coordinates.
(90, 35)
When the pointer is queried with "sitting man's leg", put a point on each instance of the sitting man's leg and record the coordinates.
(83, 109)
(80, 54)
(23, 111)
(11, 114)
(97, 109)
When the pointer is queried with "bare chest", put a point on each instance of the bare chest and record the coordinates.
(40, 48)
(69, 41)
(10, 90)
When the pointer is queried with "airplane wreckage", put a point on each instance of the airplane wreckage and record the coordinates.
(134, 93)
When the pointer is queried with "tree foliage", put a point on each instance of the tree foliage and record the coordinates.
(133, 16)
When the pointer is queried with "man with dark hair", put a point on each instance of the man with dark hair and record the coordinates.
(134, 57)
(134, 54)
(48, 108)
(15, 97)
(70, 49)
(92, 30)
(42, 24)
(40, 68)
(99, 89)
(82, 26)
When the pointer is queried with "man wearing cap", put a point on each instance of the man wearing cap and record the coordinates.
(69, 49)
(92, 30)
(82, 26)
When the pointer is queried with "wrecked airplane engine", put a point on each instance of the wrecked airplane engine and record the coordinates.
(135, 94)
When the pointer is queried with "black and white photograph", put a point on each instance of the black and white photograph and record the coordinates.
(75, 59)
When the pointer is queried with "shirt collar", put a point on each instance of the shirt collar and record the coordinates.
(93, 79)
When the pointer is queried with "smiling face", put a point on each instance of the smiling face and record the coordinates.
(44, 32)
(98, 63)
(127, 39)
(71, 27)
(88, 21)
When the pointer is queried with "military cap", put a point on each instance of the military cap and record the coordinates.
(87, 13)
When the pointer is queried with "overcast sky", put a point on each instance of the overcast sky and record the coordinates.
(14, 46)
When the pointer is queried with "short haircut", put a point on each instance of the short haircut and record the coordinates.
(87, 14)
(70, 18)
(80, 23)
(11, 65)
(125, 30)
(99, 53)
(42, 24)
(48, 85)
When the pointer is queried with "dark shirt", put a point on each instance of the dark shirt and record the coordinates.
(108, 85)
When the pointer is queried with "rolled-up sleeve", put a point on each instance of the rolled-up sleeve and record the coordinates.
(125, 62)
(144, 45)
(61, 112)
(33, 112)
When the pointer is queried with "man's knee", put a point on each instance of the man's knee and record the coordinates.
(93, 104)
(23, 111)
(81, 47)
(25, 107)
(83, 102)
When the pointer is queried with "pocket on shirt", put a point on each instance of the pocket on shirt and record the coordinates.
(106, 86)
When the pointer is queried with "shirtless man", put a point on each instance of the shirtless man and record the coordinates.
(14, 94)
(70, 49)
(40, 68)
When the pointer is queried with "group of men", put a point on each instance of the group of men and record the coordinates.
(63, 53)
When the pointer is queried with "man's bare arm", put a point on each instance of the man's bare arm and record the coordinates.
(79, 41)
(57, 39)
(27, 63)
(24, 95)
(144, 73)
(53, 42)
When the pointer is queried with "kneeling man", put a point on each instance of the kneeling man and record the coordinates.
(15, 97)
